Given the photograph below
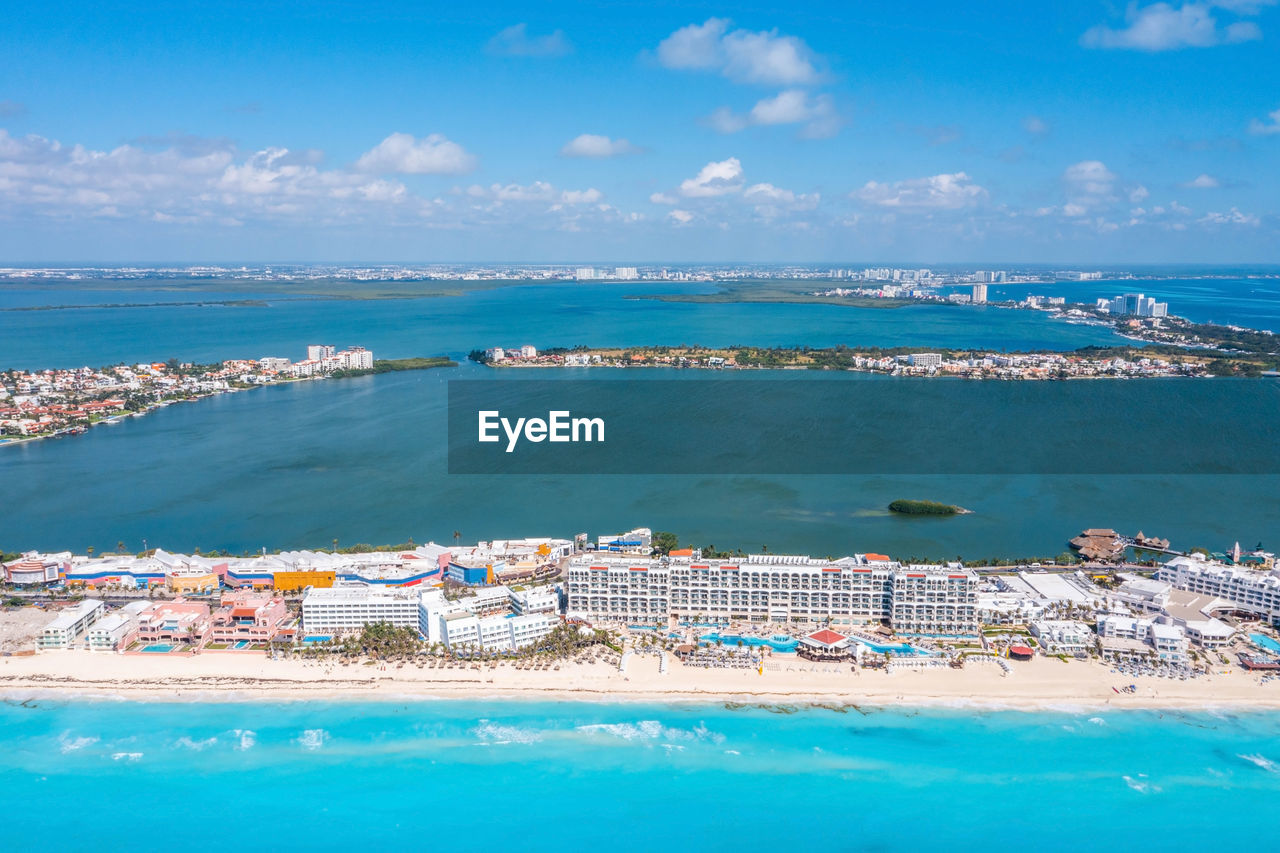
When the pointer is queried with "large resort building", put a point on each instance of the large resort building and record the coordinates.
(1240, 588)
(862, 589)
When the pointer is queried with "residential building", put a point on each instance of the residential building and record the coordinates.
(111, 633)
(70, 624)
(176, 621)
(543, 599)
(250, 617)
(925, 359)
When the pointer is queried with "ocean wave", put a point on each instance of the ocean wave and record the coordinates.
(652, 730)
(1097, 721)
(72, 744)
(1261, 761)
(1141, 784)
(245, 738)
(198, 745)
(313, 739)
(125, 756)
(495, 733)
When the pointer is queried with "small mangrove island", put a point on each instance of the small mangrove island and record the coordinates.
(907, 507)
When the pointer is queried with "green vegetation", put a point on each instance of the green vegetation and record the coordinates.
(381, 640)
(907, 507)
(392, 365)
(665, 542)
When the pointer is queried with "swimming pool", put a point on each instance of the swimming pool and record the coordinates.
(158, 647)
(241, 644)
(317, 638)
(903, 649)
(778, 642)
(1262, 641)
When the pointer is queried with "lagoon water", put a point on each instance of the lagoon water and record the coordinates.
(320, 776)
(363, 460)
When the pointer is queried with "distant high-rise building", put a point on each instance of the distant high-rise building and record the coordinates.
(585, 274)
(979, 293)
(626, 273)
(318, 352)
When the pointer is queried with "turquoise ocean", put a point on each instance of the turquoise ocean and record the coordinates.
(461, 775)
(363, 460)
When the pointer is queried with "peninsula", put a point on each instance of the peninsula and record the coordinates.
(37, 404)
(1086, 363)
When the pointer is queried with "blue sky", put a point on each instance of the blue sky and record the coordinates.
(1002, 131)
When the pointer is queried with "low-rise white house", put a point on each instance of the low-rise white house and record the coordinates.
(110, 633)
(1063, 636)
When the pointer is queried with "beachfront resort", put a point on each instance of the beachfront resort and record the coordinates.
(1191, 616)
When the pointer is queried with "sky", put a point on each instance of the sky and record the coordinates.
(1001, 131)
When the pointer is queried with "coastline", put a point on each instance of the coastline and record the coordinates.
(1037, 685)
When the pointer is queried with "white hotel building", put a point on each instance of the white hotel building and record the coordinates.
(345, 609)
(860, 589)
(1255, 591)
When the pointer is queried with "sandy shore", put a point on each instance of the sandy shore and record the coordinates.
(1033, 685)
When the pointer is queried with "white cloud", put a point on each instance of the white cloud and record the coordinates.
(680, 217)
(1161, 26)
(1035, 125)
(1272, 125)
(1203, 182)
(594, 145)
(725, 120)
(1231, 217)
(770, 201)
(664, 198)
(1089, 179)
(938, 192)
(431, 155)
(714, 179)
(1138, 194)
(516, 41)
(538, 191)
(189, 181)
(208, 183)
(790, 106)
(591, 195)
(767, 58)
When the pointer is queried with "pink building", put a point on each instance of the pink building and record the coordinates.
(250, 616)
(176, 621)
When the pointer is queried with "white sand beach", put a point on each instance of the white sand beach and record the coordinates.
(1032, 685)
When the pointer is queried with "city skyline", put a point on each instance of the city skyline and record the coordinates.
(685, 133)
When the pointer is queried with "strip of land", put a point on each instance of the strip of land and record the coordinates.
(1125, 362)
(1038, 684)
